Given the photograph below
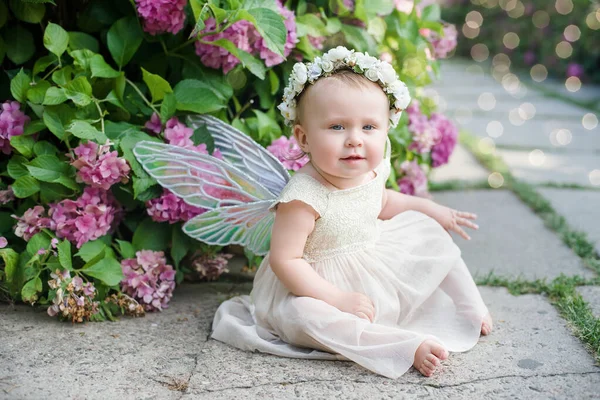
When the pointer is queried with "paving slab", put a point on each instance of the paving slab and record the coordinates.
(462, 166)
(581, 209)
(511, 241)
(530, 354)
(551, 167)
(591, 294)
(42, 358)
(551, 134)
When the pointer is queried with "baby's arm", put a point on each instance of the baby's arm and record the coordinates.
(294, 221)
(394, 203)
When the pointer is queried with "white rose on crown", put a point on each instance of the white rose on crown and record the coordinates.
(300, 73)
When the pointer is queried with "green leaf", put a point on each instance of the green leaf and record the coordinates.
(2, 49)
(80, 40)
(25, 186)
(126, 249)
(124, 38)
(37, 92)
(127, 144)
(113, 99)
(359, 39)
(196, 96)
(52, 192)
(108, 270)
(19, 86)
(63, 75)
(64, 254)
(34, 126)
(42, 63)
(157, 85)
(3, 13)
(16, 167)
(80, 91)
(150, 235)
(100, 69)
(202, 135)
(248, 60)
(48, 168)
(28, 12)
(168, 107)
(85, 130)
(82, 58)
(23, 144)
(267, 127)
(54, 124)
(11, 260)
(20, 46)
(269, 25)
(54, 95)
(181, 244)
(30, 290)
(310, 24)
(334, 25)
(89, 250)
(56, 39)
(40, 240)
(44, 147)
(144, 189)
(432, 13)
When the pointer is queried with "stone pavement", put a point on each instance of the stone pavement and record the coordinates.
(532, 353)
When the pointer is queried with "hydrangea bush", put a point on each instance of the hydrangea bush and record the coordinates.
(84, 230)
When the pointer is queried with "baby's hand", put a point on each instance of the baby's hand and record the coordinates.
(355, 303)
(451, 220)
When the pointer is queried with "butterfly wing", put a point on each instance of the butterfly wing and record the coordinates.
(200, 180)
(248, 225)
(242, 152)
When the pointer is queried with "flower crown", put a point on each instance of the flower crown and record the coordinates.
(342, 58)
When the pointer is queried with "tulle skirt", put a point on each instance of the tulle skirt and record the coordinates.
(416, 278)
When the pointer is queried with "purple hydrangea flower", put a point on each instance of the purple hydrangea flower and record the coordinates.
(32, 222)
(149, 279)
(171, 208)
(414, 180)
(3, 242)
(154, 124)
(7, 195)
(442, 45)
(12, 123)
(425, 134)
(89, 217)
(162, 16)
(289, 19)
(441, 151)
(287, 151)
(99, 167)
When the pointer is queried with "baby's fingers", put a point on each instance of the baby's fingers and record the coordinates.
(466, 222)
(461, 232)
(464, 214)
(362, 315)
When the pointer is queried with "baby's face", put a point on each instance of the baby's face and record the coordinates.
(344, 128)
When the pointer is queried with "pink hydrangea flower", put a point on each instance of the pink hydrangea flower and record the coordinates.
(317, 42)
(6, 196)
(245, 37)
(424, 134)
(154, 124)
(210, 267)
(442, 45)
(441, 151)
(12, 123)
(32, 222)
(162, 16)
(89, 217)
(287, 150)
(148, 279)
(99, 167)
(414, 180)
(171, 208)
(178, 134)
(3, 242)
(529, 57)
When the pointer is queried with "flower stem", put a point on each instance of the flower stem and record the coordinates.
(142, 96)
(51, 71)
(101, 114)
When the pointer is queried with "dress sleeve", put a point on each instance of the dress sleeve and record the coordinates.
(306, 189)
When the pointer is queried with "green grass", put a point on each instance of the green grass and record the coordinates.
(561, 291)
(458, 185)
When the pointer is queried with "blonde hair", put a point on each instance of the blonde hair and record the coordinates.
(344, 75)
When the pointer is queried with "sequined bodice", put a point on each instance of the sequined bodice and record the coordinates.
(348, 218)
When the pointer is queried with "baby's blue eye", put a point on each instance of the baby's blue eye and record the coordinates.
(337, 127)
(368, 127)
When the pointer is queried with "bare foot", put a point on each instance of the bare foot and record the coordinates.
(428, 356)
(487, 325)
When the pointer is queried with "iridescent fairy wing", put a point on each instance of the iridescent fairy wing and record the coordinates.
(248, 225)
(241, 151)
(200, 180)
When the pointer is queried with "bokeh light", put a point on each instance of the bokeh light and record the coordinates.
(480, 52)
(511, 40)
(564, 7)
(507, 5)
(475, 70)
(573, 84)
(495, 180)
(474, 19)
(539, 73)
(487, 145)
(486, 101)
(564, 49)
(517, 11)
(572, 33)
(537, 157)
(511, 83)
(515, 117)
(526, 111)
(540, 19)
(595, 177)
(494, 129)
(561, 137)
(593, 20)
(589, 121)
(469, 32)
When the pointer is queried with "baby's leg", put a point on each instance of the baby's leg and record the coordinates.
(459, 285)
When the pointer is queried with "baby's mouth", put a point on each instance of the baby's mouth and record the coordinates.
(353, 157)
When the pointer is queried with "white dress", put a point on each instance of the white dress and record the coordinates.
(408, 266)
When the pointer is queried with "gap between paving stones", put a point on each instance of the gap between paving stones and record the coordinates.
(561, 291)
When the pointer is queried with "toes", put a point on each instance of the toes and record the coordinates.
(428, 364)
(439, 352)
(433, 360)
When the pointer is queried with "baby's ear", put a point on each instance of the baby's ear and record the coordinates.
(300, 136)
